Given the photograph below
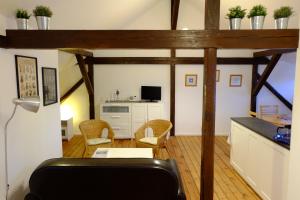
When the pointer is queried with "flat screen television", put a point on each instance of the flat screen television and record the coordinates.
(151, 93)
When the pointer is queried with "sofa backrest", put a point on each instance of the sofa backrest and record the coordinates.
(107, 179)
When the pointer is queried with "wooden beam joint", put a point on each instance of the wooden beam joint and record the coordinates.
(75, 51)
(265, 75)
(277, 94)
(84, 73)
(71, 90)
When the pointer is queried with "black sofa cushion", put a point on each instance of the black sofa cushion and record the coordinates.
(106, 179)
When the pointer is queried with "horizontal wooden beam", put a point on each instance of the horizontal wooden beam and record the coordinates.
(71, 90)
(277, 94)
(81, 52)
(271, 52)
(265, 75)
(152, 39)
(2, 41)
(178, 60)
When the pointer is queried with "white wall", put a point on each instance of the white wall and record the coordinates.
(128, 80)
(282, 79)
(32, 138)
(2, 24)
(294, 178)
(230, 101)
(78, 102)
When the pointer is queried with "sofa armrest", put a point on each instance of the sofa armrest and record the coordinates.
(181, 194)
(31, 196)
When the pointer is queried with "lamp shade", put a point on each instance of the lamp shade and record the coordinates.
(31, 104)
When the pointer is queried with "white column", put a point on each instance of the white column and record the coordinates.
(294, 170)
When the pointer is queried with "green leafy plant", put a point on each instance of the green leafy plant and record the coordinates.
(283, 12)
(42, 11)
(236, 12)
(22, 14)
(258, 10)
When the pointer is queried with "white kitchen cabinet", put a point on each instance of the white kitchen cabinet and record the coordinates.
(118, 115)
(139, 115)
(126, 118)
(262, 163)
(239, 149)
(154, 111)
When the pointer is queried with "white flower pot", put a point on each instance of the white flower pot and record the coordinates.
(22, 23)
(235, 23)
(43, 22)
(257, 22)
(282, 23)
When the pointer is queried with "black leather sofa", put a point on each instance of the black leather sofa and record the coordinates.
(106, 179)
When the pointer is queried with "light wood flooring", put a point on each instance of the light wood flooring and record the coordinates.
(228, 185)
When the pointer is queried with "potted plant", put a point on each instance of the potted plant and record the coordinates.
(22, 19)
(257, 15)
(42, 15)
(281, 17)
(235, 16)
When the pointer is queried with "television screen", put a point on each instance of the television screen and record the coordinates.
(152, 93)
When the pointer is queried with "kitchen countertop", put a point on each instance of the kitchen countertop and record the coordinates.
(261, 127)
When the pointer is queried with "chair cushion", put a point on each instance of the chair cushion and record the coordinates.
(149, 140)
(96, 141)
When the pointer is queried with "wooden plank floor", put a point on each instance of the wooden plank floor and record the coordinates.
(228, 185)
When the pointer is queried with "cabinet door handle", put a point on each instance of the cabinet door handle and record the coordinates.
(116, 128)
(115, 116)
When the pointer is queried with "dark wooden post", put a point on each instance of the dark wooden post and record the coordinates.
(254, 81)
(172, 91)
(208, 124)
(212, 18)
(91, 96)
(174, 16)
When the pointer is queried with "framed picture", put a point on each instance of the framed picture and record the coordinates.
(218, 75)
(191, 80)
(27, 76)
(235, 80)
(49, 85)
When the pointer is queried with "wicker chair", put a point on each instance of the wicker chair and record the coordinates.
(160, 129)
(92, 131)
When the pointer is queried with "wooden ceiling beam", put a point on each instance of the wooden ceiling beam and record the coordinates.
(174, 13)
(84, 73)
(177, 60)
(152, 39)
(71, 90)
(271, 52)
(81, 52)
(265, 75)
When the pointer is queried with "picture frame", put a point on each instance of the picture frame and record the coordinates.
(191, 80)
(235, 80)
(218, 75)
(27, 76)
(49, 77)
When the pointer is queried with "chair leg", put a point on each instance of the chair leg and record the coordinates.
(167, 151)
(84, 152)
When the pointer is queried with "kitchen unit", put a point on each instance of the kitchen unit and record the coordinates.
(126, 117)
(262, 162)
